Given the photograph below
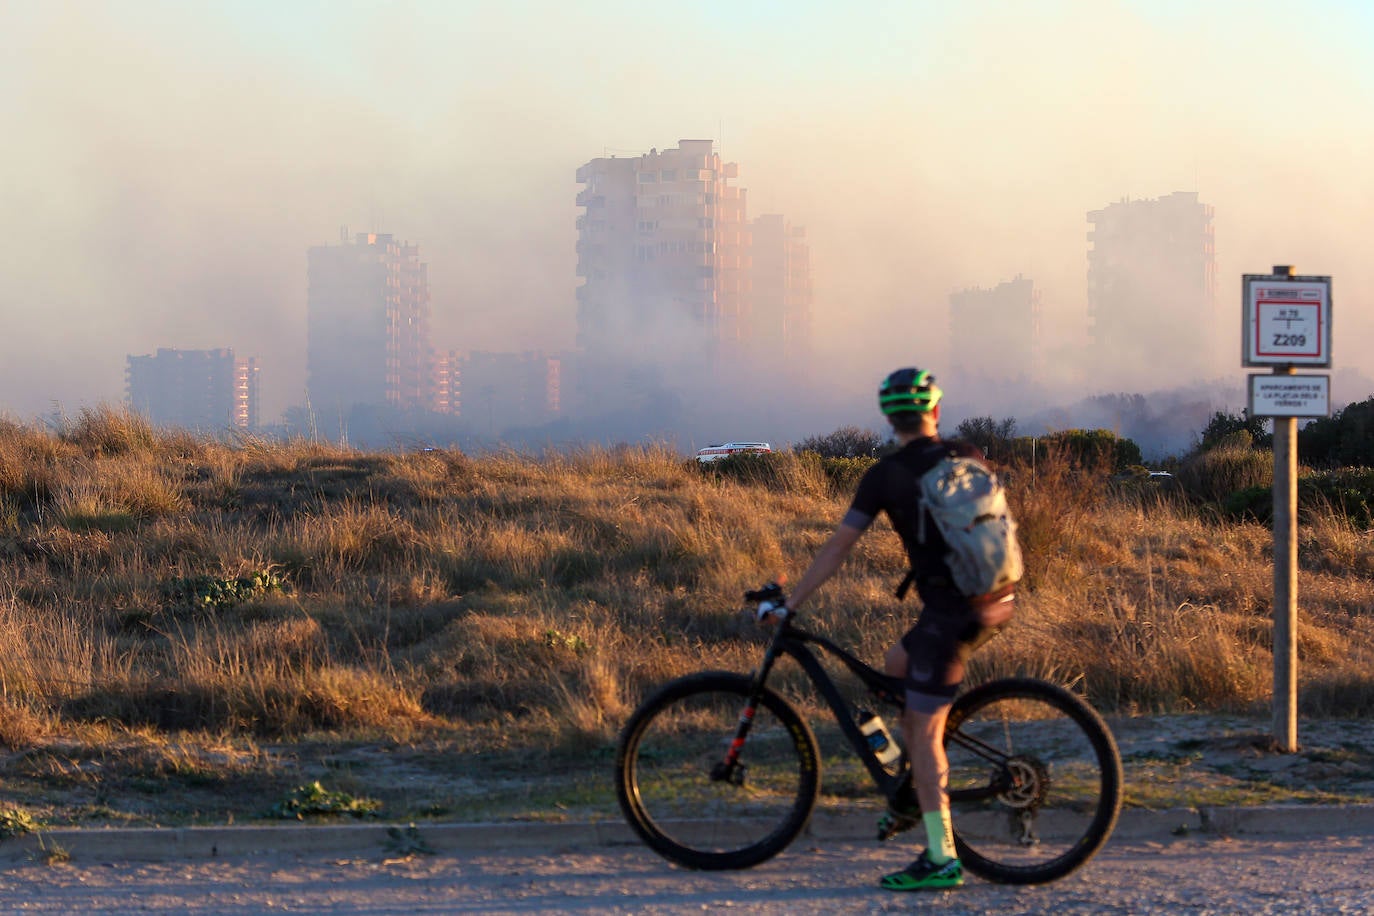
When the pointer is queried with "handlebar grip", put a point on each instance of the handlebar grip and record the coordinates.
(770, 592)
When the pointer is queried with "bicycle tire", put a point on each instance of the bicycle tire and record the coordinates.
(664, 763)
(1067, 795)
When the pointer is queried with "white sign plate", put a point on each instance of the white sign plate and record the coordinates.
(1290, 396)
(1287, 321)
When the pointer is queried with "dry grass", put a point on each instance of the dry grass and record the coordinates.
(517, 600)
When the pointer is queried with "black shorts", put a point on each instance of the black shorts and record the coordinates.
(948, 631)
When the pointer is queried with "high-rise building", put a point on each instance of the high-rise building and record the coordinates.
(1152, 311)
(368, 339)
(780, 313)
(447, 393)
(497, 391)
(994, 334)
(663, 250)
(194, 389)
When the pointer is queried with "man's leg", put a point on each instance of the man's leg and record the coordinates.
(924, 733)
(923, 726)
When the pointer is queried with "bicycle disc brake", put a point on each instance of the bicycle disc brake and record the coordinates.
(733, 774)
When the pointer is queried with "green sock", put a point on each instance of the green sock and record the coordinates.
(940, 833)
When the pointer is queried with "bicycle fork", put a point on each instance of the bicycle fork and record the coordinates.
(730, 769)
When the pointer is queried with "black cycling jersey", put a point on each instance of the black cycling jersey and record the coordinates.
(950, 627)
(892, 486)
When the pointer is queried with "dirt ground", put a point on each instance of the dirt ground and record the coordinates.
(1311, 875)
(1170, 762)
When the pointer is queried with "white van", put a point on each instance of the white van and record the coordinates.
(716, 452)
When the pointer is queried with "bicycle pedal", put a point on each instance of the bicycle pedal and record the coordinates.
(893, 823)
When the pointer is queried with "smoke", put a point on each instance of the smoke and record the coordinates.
(166, 167)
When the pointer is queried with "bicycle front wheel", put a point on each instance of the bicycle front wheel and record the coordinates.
(1034, 780)
(676, 794)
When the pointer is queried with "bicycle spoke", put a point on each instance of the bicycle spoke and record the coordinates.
(1033, 790)
(715, 822)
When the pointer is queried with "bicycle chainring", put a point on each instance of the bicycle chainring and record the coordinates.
(1030, 783)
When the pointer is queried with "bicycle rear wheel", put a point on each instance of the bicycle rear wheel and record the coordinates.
(677, 800)
(1034, 780)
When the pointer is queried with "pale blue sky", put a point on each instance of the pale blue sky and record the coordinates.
(166, 164)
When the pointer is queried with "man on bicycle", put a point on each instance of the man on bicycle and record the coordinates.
(930, 657)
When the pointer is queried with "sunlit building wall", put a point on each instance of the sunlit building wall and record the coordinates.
(194, 389)
(368, 334)
(663, 242)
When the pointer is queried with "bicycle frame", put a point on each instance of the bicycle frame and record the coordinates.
(790, 640)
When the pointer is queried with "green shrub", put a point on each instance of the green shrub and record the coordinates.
(845, 442)
(1348, 493)
(314, 800)
(1223, 425)
(1095, 448)
(1344, 439)
(217, 593)
(844, 473)
(994, 438)
(1214, 475)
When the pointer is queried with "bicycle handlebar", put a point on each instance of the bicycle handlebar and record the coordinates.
(770, 592)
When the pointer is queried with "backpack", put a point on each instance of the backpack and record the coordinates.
(966, 502)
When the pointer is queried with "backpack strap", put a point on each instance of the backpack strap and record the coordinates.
(910, 578)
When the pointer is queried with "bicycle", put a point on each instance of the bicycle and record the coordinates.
(717, 770)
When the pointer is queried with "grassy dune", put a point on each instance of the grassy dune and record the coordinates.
(175, 609)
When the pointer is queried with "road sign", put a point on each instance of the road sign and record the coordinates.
(1290, 396)
(1286, 320)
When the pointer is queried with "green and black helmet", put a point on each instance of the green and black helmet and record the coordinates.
(908, 391)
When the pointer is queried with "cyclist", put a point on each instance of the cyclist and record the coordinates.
(930, 657)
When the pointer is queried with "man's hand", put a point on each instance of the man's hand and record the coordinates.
(770, 612)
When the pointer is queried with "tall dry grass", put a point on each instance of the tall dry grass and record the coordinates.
(170, 585)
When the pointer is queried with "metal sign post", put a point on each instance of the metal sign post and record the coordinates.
(1286, 321)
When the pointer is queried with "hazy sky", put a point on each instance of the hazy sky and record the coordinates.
(165, 165)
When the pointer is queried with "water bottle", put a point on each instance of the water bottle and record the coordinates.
(884, 748)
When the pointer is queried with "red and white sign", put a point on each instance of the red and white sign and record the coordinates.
(1287, 321)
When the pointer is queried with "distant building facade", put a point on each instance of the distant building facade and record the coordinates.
(1152, 309)
(663, 241)
(493, 392)
(1001, 326)
(780, 316)
(368, 325)
(194, 389)
(679, 287)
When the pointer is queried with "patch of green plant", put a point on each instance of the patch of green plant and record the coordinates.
(111, 522)
(314, 800)
(219, 594)
(16, 822)
(556, 639)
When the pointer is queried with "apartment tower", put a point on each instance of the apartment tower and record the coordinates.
(368, 337)
(994, 334)
(780, 306)
(1152, 311)
(194, 389)
(663, 251)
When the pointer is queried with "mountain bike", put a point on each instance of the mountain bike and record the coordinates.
(718, 770)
